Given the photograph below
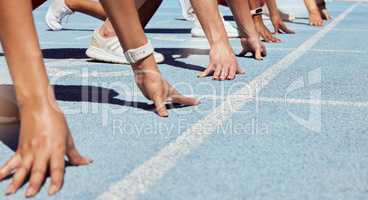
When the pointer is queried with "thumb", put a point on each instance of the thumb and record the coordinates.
(160, 107)
(75, 158)
(258, 55)
(209, 70)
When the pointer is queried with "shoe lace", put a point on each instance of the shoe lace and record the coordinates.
(65, 15)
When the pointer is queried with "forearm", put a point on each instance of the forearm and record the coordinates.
(241, 12)
(210, 19)
(22, 51)
(311, 5)
(272, 7)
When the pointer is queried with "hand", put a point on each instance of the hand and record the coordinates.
(44, 141)
(263, 30)
(254, 46)
(280, 26)
(315, 18)
(154, 87)
(223, 64)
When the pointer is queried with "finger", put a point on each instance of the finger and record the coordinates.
(57, 170)
(38, 174)
(258, 55)
(9, 166)
(19, 176)
(263, 51)
(161, 108)
(224, 72)
(277, 30)
(75, 158)
(180, 99)
(287, 30)
(217, 73)
(266, 38)
(232, 72)
(208, 71)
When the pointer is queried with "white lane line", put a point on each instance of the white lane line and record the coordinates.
(351, 30)
(316, 102)
(146, 175)
(312, 102)
(84, 37)
(322, 50)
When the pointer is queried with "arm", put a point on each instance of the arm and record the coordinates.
(125, 20)
(223, 64)
(44, 135)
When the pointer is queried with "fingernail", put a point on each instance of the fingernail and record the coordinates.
(53, 189)
(90, 160)
(30, 192)
(9, 191)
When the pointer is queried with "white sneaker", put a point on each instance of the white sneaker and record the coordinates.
(56, 13)
(197, 30)
(109, 50)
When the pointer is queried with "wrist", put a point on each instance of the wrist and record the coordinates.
(41, 98)
(220, 44)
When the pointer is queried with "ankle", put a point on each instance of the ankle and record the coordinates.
(70, 4)
(106, 32)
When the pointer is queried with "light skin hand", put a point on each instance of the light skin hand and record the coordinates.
(125, 20)
(280, 26)
(223, 64)
(263, 30)
(250, 39)
(41, 150)
(44, 135)
(154, 87)
(254, 46)
(315, 18)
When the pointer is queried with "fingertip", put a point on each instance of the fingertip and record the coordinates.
(53, 190)
(162, 112)
(9, 191)
(31, 192)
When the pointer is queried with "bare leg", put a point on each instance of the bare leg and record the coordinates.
(89, 7)
(146, 11)
(44, 135)
(37, 3)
